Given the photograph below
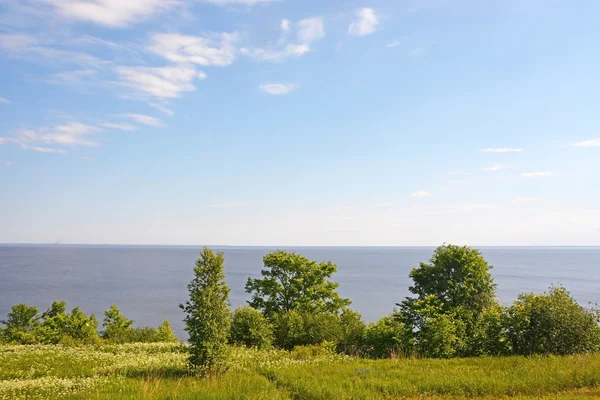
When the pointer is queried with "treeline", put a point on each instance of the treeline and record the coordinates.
(25, 325)
(453, 312)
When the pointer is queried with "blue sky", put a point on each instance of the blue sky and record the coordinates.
(264, 122)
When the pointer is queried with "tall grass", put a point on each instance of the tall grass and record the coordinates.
(158, 372)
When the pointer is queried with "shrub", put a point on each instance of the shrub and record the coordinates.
(208, 318)
(382, 338)
(250, 328)
(352, 330)
(490, 334)
(57, 326)
(442, 336)
(117, 328)
(288, 329)
(552, 323)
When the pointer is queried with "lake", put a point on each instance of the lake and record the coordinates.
(148, 282)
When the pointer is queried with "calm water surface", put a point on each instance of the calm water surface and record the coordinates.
(148, 283)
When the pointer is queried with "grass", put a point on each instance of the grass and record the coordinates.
(158, 372)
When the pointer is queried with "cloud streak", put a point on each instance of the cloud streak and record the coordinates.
(366, 22)
(420, 193)
(502, 150)
(537, 174)
(277, 89)
(588, 143)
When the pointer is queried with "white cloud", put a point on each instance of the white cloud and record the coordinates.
(588, 143)
(310, 29)
(537, 174)
(162, 82)
(502, 150)
(285, 25)
(72, 134)
(278, 88)
(30, 48)
(3, 100)
(237, 2)
(162, 107)
(119, 126)
(145, 120)
(44, 149)
(365, 24)
(227, 205)
(73, 77)
(111, 13)
(420, 193)
(495, 167)
(290, 50)
(216, 49)
(394, 43)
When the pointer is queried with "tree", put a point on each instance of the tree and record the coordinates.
(452, 292)
(208, 318)
(20, 325)
(117, 328)
(292, 282)
(60, 327)
(165, 333)
(250, 328)
(552, 323)
(382, 338)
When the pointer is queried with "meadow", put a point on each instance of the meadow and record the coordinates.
(156, 371)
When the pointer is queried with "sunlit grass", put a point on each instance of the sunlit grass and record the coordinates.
(158, 372)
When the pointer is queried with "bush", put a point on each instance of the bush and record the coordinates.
(117, 328)
(490, 334)
(295, 328)
(383, 338)
(352, 330)
(250, 328)
(552, 323)
(57, 326)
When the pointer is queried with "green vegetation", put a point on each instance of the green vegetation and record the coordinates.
(299, 339)
(208, 318)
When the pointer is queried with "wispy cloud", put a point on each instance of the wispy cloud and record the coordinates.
(537, 174)
(108, 13)
(394, 43)
(278, 88)
(495, 167)
(72, 134)
(162, 107)
(119, 126)
(161, 82)
(420, 193)
(365, 23)
(145, 120)
(310, 29)
(237, 2)
(3, 100)
(73, 77)
(227, 205)
(215, 49)
(307, 32)
(502, 150)
(8, 163)
(588, 143)
(28, 47)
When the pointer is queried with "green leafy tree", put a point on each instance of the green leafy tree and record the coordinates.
(290, 282)
(117, 328)
(165, 333)
(552, 323)
(452, 291)
(208, 318)
(383, 338)
(20, 325)
(60, 327)
(250, 328)
(352, 330)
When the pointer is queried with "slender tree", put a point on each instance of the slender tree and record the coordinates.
(208, 318)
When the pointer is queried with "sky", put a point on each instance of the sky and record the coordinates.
(300, 122)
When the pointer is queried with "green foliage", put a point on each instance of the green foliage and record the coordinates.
(208, 318)
(490, 334)
(352, 329)
(250, 328)
(452, 293)
(290, 282)
(552, 323)
(288, 329)
(117, 328)
(165, 333)
(383, 338)
(20, 325)
(58, 326)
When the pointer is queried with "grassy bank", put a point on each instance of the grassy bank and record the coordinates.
(158, 371)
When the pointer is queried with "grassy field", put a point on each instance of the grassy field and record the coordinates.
(157, 371)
